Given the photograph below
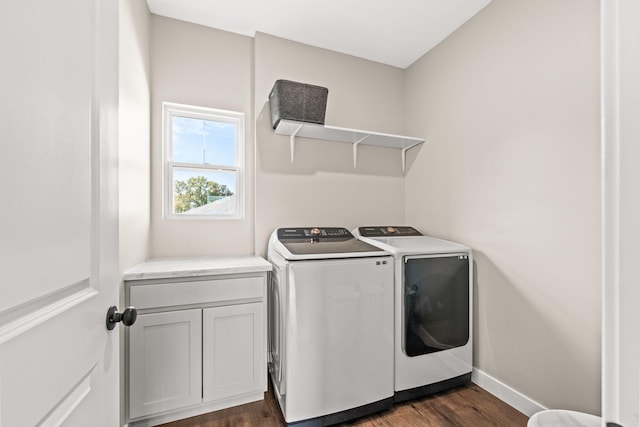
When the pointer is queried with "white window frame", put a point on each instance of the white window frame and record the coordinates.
(169, 110)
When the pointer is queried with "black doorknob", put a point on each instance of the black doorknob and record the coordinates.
(127, 317)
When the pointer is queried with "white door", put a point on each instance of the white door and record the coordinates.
(621, 186)
(58, 213)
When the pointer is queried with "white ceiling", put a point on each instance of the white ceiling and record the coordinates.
(394, 32)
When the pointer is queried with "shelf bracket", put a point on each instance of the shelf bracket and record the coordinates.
(292, 141)
(403, 153)
(355, 149)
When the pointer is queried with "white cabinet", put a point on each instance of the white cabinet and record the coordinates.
(199, 343)
(230, 338)
(165, 362)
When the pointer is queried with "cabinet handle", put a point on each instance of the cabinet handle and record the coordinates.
(127, 317)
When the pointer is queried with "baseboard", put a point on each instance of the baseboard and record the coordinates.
(506, 393)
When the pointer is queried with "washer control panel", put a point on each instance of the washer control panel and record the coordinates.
(314, 232)
(388, 231)
(322, 242)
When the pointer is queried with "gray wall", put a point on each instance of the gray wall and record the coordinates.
(196, 65)
(134, 122)
(322, 188)
(510, 107)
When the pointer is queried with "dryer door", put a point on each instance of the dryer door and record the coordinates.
(436, 303)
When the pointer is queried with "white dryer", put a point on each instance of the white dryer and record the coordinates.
(330, 325)
(433, 309)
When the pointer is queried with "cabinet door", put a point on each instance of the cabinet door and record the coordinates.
(165, 362)
(234, 353)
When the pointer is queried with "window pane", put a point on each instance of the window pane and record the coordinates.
(203, 192)
(203, 141)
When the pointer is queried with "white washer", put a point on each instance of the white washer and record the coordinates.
(330, 325)
(433, 309)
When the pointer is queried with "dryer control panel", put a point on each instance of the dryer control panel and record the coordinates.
(388, 231)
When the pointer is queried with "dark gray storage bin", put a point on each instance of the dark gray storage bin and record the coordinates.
(297, 101)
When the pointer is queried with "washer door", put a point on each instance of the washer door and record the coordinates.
(436, 303)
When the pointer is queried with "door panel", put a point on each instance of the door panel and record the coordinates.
(165, 358)
(45, 106)
(233, 350)
(58, 269)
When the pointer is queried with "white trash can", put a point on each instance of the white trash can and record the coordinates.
(563, 418)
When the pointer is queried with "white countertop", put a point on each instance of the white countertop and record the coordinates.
(167, 268)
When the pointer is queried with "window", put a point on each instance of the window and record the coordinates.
(203, 155)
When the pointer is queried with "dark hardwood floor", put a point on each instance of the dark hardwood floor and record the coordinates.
(468, 406)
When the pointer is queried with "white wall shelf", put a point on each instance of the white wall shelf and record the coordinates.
(353, 136)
